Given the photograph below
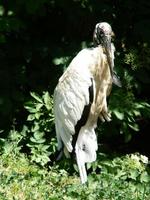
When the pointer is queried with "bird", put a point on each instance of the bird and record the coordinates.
(80, 98)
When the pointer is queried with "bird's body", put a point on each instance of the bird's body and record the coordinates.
(79, 99)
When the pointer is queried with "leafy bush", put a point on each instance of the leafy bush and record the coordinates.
(127, 113)
(33, 62)
(126, 177)
(127, 107)
(39, 135)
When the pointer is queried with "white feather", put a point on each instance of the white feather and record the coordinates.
(86, 148)
(70, 97)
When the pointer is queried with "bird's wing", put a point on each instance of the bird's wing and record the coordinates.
(70, 97)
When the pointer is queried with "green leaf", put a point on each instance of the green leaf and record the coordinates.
(137, 113)
(47, 101)
(36, 96)
(30, 106)
(142, 105)
(38, 135)
(39, 141)
(60, 61)
(35, 128)
(38, 115)
(128, 137)
(134, 174)
(45, 147)
(39, 106)
(134, 126)
(32, 139)
(31, 110)
(144, 177)
(2, 10)
(31, 117)
(118, 114)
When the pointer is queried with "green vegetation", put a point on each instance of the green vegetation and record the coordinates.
(125, 177)
(37, 135)
(37, 42)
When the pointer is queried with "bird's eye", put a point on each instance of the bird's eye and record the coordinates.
(101, 32)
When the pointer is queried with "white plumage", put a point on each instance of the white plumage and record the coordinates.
(87, 78)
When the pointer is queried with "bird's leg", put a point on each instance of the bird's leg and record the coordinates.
(59, 155)
(104, 114)
(66, 152)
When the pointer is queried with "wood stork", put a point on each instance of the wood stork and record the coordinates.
(80, 98)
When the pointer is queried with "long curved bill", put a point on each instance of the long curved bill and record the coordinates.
(108, 50)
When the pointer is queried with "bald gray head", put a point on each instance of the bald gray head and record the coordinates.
(102, 32)
(102, 36)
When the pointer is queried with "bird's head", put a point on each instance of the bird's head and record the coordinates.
(102, 36)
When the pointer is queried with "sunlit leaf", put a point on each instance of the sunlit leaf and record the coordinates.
(134, 174)
(31, 117)
(30, 106)
(47, 101)
(39, 141)
(39, 106)
(38, 135)
(134, 126)
(36, 96)
(35, 128)
(37, 115)
(145, 177)
(118, 114)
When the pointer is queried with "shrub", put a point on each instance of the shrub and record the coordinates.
(39, 135)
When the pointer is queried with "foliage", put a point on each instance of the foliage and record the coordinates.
(127, 108)
(35, 50)
(38, 134)
(127, 112)
(127, 177)
(35, 38)
(37, 42)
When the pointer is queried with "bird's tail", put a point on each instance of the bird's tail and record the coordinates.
(85, 149)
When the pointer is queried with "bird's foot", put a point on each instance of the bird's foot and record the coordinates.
(105, 116)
